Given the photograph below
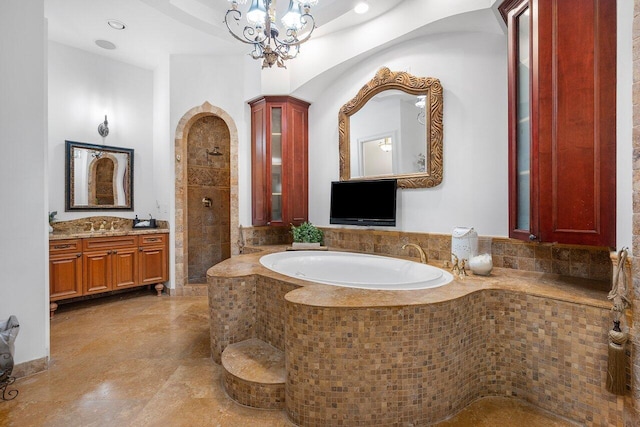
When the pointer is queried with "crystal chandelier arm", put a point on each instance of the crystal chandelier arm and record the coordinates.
(292, 34)
(257, 52)
(251, 36)
(283, 51)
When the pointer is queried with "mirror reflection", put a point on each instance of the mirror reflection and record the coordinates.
(393, 128)
(388, 136)
(98, 177)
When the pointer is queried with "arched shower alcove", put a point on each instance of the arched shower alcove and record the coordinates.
(205, 235)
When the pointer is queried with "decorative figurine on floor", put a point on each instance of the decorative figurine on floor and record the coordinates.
(8, 333)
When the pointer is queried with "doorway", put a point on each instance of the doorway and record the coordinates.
(206, 195)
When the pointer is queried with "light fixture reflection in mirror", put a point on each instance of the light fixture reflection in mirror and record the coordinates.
(407, 110)
(388, 116)
(98, 177)
(376, 157)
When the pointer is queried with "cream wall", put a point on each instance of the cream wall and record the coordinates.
(472, 70)
(82, 88)
(24, 273)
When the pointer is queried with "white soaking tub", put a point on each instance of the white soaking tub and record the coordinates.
(355, 270)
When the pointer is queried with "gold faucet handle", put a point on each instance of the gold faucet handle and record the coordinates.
(456, 269)
(91, 224)
(463, 271)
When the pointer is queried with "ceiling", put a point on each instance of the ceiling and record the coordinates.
(158, 28)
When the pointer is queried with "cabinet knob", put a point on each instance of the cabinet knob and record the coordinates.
(140, 249)
(114, 252)
(78, 255)
(533, 237)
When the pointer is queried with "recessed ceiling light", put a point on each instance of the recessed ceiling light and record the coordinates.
(361, 7)
(105, 44)
(116, 25)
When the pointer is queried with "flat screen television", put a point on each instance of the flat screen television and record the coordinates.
(364, 202)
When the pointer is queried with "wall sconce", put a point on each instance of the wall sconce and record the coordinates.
(103, 128)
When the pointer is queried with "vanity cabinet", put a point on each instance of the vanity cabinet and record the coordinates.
(110, 263)
(279, 158)
(562, 120)
(81, 267)
(153, 259)
(65, 269)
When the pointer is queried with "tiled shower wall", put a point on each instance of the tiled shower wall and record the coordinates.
(568, 260)
(208, 177)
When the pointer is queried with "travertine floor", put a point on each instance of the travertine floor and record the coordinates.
(140, 360)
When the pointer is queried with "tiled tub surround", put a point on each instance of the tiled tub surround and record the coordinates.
(361, 357)
(568, 260)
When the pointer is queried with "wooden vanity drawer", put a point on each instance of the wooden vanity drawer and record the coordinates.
(153, 239)
(64, 246)
(96, 243)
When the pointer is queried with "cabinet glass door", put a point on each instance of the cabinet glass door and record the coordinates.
(276, 164)
(523, 128)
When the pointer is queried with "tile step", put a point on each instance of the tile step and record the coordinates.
(254, 374)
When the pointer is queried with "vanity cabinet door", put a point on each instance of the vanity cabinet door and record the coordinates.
(124, 268)
(97, 271)
(562, 115)
(110, 263)
(153, 256)
(65, 275)
(279, 150)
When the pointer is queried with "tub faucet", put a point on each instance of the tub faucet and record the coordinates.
(423, 255)
(459, 266)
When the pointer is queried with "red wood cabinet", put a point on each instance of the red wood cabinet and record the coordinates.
(153, 256)
(65, 269)
(562, 115)
(110, 263)
(279, 159)
(79, 267)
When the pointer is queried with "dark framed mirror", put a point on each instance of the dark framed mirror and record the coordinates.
(98, 177)
(392, 128)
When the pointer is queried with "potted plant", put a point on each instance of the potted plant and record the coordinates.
(52, 218)
(306, 236)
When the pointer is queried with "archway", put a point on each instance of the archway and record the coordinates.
(195, 168)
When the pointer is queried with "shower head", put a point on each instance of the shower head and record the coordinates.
(215, 152)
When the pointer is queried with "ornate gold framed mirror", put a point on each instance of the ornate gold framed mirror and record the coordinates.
(392, 128)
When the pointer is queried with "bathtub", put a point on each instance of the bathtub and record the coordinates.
(354, 270)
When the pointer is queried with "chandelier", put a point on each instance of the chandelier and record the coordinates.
(271, 44)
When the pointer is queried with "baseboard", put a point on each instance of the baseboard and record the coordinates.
(31, 367)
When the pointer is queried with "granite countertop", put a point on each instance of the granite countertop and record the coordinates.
(63, 235)
(570, 289)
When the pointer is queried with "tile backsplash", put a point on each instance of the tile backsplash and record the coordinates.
(569, 260)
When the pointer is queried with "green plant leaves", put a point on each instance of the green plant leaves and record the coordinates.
(306, 233)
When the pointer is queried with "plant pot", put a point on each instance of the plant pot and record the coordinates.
(305, 245)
